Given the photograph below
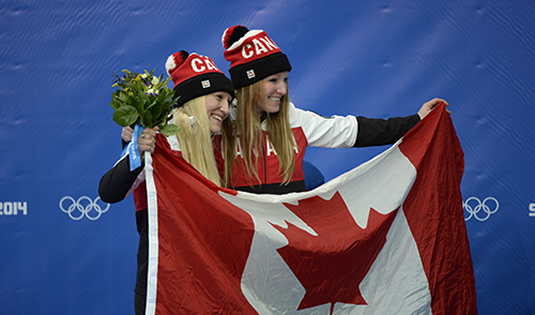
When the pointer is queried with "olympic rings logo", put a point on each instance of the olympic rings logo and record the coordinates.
(77, 209)
(480, 210)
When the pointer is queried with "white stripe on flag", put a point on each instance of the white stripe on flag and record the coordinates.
(152, 202)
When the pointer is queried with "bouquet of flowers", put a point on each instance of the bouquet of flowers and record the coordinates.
(143, 99)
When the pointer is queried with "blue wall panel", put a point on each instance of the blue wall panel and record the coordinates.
(377, 59)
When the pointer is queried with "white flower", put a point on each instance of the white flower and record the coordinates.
(151, 92)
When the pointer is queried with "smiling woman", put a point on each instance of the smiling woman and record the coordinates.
(263, 148)
(202, 97)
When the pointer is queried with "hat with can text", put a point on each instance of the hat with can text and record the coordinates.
(195, 75)
(253, 55)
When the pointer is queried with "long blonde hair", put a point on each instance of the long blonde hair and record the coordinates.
(248, 126)
(195, 139)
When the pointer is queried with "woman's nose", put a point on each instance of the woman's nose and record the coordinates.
(282, 89)
(224, 107)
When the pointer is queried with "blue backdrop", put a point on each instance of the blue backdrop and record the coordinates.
(377, 59)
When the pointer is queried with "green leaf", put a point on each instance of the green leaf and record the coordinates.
(156, 110)
(147, 119)
(125, 115)
(161, 96)
(143, 100)
(142, 106)
(151, 104)
(123, 97)
(133, 101)
(169, 130)
(168, 97)
(115, 102)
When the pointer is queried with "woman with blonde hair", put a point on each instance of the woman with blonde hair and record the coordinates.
(262, 149)
(203, 94)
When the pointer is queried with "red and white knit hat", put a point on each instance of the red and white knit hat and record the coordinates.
(195, 75)
(253, 55)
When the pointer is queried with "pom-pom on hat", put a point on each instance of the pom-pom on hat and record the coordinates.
(253, 55)
(195, 75)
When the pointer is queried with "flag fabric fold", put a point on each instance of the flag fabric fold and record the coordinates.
(387, 237)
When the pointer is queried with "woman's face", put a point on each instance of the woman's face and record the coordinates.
(274, 88)
(217, 107)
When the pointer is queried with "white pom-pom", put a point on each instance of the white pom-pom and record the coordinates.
(170, 64)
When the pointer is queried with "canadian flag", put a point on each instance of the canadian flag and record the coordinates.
(387, 237)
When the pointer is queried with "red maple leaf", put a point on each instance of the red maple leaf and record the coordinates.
(331, 265)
